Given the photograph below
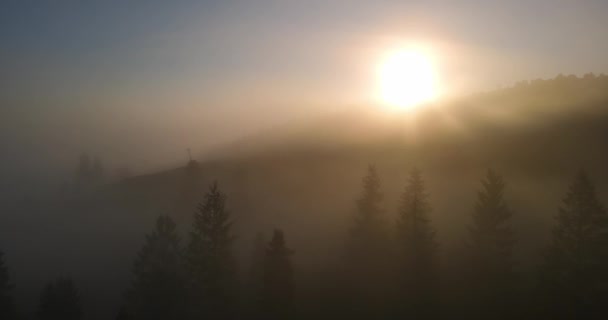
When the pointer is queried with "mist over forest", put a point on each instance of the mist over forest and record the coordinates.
(318, 159)
(491, 205)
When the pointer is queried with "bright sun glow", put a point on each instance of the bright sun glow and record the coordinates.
(406, 79)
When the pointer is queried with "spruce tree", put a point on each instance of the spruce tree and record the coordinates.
(60, 300)
(575, 273)
(278, 283)
(158, 289)
(367, 252)
(210, 258)
(417, 250)
(368, 232)
(491, 245)
(7, 308)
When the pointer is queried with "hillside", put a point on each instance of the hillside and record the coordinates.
(305, 177)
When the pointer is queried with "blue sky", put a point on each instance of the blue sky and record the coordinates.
(204, 72)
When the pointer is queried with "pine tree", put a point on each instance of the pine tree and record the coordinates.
(7, 308)
(417, 249)
(210, 258)
(367, 252)
(278, 283)
(575, 274)
(60, 301)
(158, 290)
(368, 233)
(491, 245)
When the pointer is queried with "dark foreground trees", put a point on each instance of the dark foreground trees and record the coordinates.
(210, 260)
(7, 308)
(158, 288)
(278, 284)
(574, 278)
(196, 283)
(60, 300)
(417, 248)
(490, 247)
(367, 257)
(379, 277)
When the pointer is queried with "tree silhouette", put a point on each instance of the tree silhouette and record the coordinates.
(278, 283)
(491, 245)
(367, 252)
(7, 308)
(60, 301)
(575, 273)
(210, 258)
(417, 249)
(158, 289)
(368, 233)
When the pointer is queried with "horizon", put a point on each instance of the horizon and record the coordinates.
(176, 156)
(192, 74)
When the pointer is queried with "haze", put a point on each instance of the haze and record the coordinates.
(285, 159)
(164, 76)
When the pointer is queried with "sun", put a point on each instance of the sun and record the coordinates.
(406, 78)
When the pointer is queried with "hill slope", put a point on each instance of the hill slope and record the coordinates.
(304, 178)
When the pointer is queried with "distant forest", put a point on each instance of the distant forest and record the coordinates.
(389, 269)
(504, 219)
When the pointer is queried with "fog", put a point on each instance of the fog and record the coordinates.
(304, 177)
(232, 160)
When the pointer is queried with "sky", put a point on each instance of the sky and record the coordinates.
(113, 77)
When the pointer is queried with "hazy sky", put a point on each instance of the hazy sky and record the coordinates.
(112, 76)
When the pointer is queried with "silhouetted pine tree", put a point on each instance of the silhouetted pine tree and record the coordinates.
(417, 250)
(491, 244)
(60, 301)
(158, 289)
(575, 274)
(7, 308)
(278, 283)
(368, 233)
(367, 253)
(210, 259)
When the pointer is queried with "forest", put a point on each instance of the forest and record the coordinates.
(504, 221)
(388, 269)
(296, 160)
